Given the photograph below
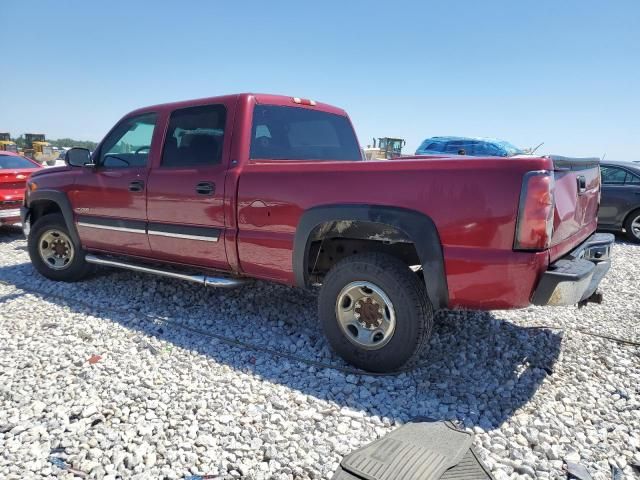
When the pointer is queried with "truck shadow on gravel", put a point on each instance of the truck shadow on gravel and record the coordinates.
(477, 369)
(621, 238)
(10, 233)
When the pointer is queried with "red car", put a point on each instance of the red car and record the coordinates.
(14, 171)
(222, 189)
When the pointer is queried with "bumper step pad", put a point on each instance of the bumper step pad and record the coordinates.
(422, 450)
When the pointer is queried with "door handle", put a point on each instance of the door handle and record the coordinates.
(206, 188)
(136, 186)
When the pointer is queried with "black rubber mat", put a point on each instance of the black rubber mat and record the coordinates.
(469, 468)
(424, 450)
(342, 474)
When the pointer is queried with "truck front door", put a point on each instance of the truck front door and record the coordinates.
(109, 201)
(186, 195)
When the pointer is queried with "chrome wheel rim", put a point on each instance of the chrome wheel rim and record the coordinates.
(366, 315)
(635, 227)
(56, 249)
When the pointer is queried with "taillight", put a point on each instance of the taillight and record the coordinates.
(534, 225)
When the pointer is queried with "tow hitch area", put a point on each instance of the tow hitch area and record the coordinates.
(595, 298)
(574, 278)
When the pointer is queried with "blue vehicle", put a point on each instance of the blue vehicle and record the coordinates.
(473, 146)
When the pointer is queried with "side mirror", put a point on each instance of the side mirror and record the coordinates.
(77, 157)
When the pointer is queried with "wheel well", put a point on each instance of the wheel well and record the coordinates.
(40, 208)
(629, 215)
(330, 242)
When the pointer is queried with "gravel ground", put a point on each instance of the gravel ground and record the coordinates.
(159, 401)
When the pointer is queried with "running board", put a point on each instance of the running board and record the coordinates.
(222, 282)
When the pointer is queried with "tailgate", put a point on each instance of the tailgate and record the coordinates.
(576, 194)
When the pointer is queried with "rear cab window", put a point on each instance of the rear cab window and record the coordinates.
(294, 133)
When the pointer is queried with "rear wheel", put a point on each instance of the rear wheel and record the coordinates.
(53, 252)
(632, 226)
(375, 312)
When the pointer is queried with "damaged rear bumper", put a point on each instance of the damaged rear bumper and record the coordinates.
(574, 278)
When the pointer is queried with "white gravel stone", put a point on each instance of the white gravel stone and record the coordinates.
(163, 402)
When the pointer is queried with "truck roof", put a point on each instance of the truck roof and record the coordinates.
(260, 98)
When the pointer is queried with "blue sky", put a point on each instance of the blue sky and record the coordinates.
(566, 73)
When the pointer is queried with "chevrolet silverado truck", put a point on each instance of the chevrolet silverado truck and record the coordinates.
(223, 189)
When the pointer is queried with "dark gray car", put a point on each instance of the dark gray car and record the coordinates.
(620, 203)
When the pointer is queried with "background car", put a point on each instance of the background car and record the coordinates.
(620, 203)
(474, 146)
(14, 171)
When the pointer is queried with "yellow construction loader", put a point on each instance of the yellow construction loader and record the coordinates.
(7, 144)
(386, 148)
(39, 149)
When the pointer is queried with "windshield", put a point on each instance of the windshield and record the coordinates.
(512, 149)
(13, 162)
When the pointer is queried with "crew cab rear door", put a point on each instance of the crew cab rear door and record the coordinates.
(185, 199)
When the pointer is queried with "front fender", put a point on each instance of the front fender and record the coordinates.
(62, 201)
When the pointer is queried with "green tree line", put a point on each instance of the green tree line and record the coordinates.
(61, 142)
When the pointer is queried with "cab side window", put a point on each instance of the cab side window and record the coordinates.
(632, 179)
(195, 137)
(613, 176)
(129, 144)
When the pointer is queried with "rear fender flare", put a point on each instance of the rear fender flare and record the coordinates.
(418, 227)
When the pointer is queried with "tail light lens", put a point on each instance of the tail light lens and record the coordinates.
(304, 101)
(534, 225)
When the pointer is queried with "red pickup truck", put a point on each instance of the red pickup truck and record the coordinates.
(227, 188)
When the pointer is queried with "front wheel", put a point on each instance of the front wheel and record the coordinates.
(52, 251)
(375, 312)
(632, 226)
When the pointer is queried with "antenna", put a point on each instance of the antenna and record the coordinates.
(534, 150)
(603, 156)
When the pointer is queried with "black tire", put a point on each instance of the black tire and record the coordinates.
(76, 269)
(413, 311)
(633, 216)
